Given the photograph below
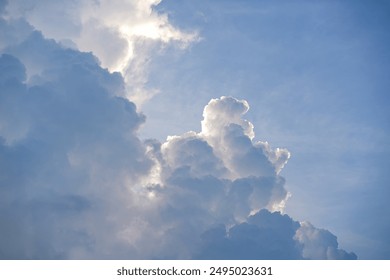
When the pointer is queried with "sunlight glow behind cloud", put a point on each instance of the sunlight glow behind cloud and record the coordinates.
(115, 31)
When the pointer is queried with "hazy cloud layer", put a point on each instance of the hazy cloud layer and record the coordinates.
(77, 182)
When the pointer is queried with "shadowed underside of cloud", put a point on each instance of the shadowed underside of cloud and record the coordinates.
(76, 181)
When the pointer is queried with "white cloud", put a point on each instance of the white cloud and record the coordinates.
(120, 33)
(319, 244)
(225, 149)
(69, 153)
(77, 182)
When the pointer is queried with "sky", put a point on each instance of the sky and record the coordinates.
(194, 129)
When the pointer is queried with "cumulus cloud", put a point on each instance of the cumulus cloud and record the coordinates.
(267, 235)
(68, 152)
(77, 182)
(319, 243)
(264, 235)
(120, 33)
(224, 175)
(225, 149)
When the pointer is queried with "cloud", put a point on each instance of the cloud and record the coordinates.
(222, 186)
(264, 235)
(122, 34)
(225, 150)
(69, 152)
(224, 127)
(319, 243)
(3, 3)
(268, 235)
(77, 182)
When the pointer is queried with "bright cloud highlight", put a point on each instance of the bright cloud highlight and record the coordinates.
(121, 34)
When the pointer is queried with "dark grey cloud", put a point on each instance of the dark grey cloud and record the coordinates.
(269, 235)
(264, 236)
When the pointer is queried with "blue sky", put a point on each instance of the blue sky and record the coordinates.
(90, 92)
(315, 76)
